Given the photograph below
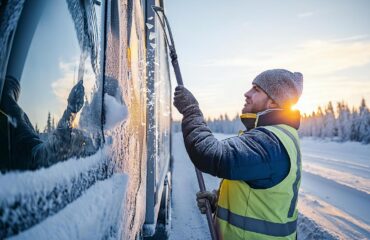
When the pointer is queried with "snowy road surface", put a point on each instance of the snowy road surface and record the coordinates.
(334, 200)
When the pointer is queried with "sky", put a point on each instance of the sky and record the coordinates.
(223, 45)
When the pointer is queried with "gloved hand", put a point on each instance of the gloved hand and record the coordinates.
(76, 97)
(201, 200)
(184, 99)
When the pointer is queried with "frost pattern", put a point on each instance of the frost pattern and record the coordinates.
(116, 113)
(149, 26)
(29, 197)
(99, 210)
(10, 16)
(84, 18)
(151, 35)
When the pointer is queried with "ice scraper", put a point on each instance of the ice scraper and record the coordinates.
(171, 45)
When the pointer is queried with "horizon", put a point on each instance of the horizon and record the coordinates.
(303, 115)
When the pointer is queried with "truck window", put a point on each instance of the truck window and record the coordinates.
(59, 100)
(52, 94)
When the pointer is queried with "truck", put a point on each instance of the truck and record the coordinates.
(85, 120)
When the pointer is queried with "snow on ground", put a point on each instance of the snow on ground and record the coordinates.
(187, 222)
(335, 187)
(99, 210)
(337, 223)
(334, 200)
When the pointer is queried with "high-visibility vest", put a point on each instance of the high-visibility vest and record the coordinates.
(247, 213)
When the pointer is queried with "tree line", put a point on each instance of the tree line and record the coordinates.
(342, 124)
(49, 127)
(222, 124)
(339, 124)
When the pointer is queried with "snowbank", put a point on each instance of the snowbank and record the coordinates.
(347, 179)
(321, 220)
(94, 215)
(309, 229)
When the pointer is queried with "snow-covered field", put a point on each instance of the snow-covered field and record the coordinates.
(334, 199)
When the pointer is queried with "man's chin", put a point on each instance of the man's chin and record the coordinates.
(249, 111)
(246, 110)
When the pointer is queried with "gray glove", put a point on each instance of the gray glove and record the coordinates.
(184, 99)
(76, 97)
(201, 200)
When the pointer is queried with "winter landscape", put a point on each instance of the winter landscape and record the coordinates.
(334, 200)
(91, 142)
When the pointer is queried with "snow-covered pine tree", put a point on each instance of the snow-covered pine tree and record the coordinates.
(48, 124)
(355, 134)
(343, 121)
(364, 122)
(318, 123)
(237, 125)
(329, 125)
(305, 128)
(226, 128)
(53, 124)
(37, 130)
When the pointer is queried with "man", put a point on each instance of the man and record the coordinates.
(260, 168)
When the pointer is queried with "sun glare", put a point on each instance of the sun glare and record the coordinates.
(303, 107)
(294, 107)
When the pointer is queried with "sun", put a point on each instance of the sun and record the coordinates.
(303, 106)
(294, 107)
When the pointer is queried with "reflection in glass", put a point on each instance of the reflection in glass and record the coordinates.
(58, 113)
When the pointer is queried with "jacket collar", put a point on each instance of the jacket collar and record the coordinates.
(271, 117)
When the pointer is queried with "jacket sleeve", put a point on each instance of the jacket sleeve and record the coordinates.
(246, 157)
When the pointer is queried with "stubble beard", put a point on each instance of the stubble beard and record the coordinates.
(253, 108)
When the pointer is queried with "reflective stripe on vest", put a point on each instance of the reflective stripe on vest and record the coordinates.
(254, 217)
(256, 225)
(298, 174)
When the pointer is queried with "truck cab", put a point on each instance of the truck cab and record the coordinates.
(85, 120)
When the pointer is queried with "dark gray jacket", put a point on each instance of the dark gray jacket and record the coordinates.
(257, 156)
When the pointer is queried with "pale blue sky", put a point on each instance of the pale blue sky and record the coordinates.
(223, 45)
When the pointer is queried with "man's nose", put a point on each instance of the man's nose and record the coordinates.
(246, 94)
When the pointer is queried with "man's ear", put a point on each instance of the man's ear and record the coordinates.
(272, 104)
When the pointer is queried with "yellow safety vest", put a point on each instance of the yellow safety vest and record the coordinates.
(247, 213)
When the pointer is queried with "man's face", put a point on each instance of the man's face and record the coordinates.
(256, 100)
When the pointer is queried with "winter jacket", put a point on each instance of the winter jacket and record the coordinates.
(256, 156)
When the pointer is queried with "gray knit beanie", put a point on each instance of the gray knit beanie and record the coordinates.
(282, 86)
